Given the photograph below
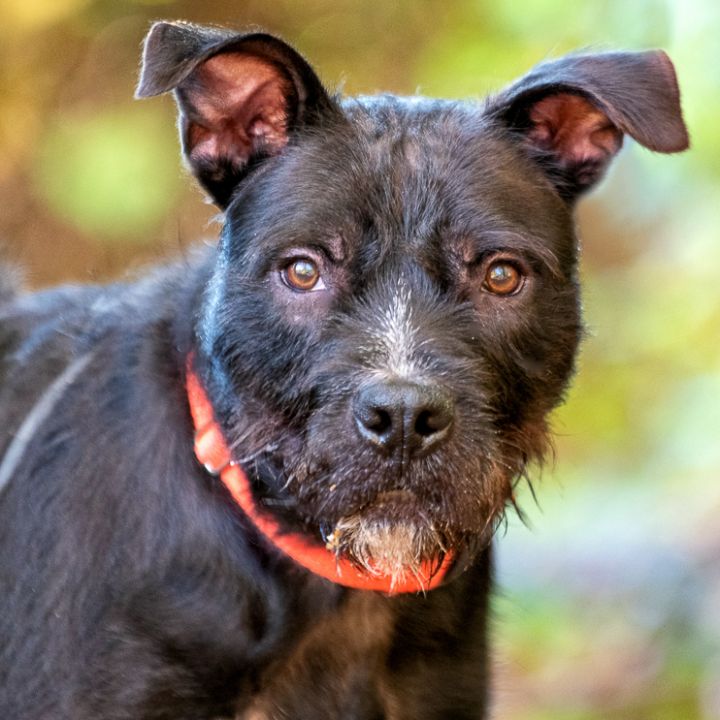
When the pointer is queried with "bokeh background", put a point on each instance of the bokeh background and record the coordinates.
(609, 601)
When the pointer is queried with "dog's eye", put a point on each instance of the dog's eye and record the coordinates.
(303, 274)
(502, 278)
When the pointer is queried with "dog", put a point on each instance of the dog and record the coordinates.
(263, 482)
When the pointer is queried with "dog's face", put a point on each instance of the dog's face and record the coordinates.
(394, 309)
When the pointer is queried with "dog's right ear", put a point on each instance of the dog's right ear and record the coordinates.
(239, 96)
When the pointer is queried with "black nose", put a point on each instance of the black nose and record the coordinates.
(402, 416)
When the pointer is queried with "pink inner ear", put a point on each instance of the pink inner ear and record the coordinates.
(237, 107)
(573, 128)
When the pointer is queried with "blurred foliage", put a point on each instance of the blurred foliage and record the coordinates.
(609, 605)
(86, 175)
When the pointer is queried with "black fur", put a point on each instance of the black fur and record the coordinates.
(132, 586)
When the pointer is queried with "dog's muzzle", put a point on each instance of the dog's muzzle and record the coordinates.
(403, 418)
(321, 559)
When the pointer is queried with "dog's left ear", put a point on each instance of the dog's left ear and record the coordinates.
(240, 97)
(572, 113)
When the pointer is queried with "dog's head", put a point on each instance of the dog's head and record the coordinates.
(394, 309)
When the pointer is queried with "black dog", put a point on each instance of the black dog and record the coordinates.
(366, 363)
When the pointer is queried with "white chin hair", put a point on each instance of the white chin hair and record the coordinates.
(384, 547)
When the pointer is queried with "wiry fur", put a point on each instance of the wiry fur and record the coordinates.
(383, 544)
(131, 584)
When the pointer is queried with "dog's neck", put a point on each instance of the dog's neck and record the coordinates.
(213, 453)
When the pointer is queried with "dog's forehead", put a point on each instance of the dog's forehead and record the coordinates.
(410, 172)
(400, 137)
(442, 161)
(445, 162)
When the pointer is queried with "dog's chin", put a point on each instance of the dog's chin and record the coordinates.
(391, 536)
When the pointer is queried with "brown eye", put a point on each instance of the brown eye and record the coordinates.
(303, 274)
(502, 278)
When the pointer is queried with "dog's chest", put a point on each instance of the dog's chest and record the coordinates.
(336, 669)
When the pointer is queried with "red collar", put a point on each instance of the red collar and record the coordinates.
(212, 452)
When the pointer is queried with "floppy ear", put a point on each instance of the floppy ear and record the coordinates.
(572, 113)
(239, 97)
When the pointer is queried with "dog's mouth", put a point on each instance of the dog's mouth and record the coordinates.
(386, 520)
(391, 536)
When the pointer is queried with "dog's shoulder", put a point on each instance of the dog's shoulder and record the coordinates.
(94, 338)
(92, 400)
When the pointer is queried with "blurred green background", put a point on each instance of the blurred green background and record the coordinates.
(609, 603)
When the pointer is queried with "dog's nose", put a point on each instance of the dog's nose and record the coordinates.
(402, 416)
